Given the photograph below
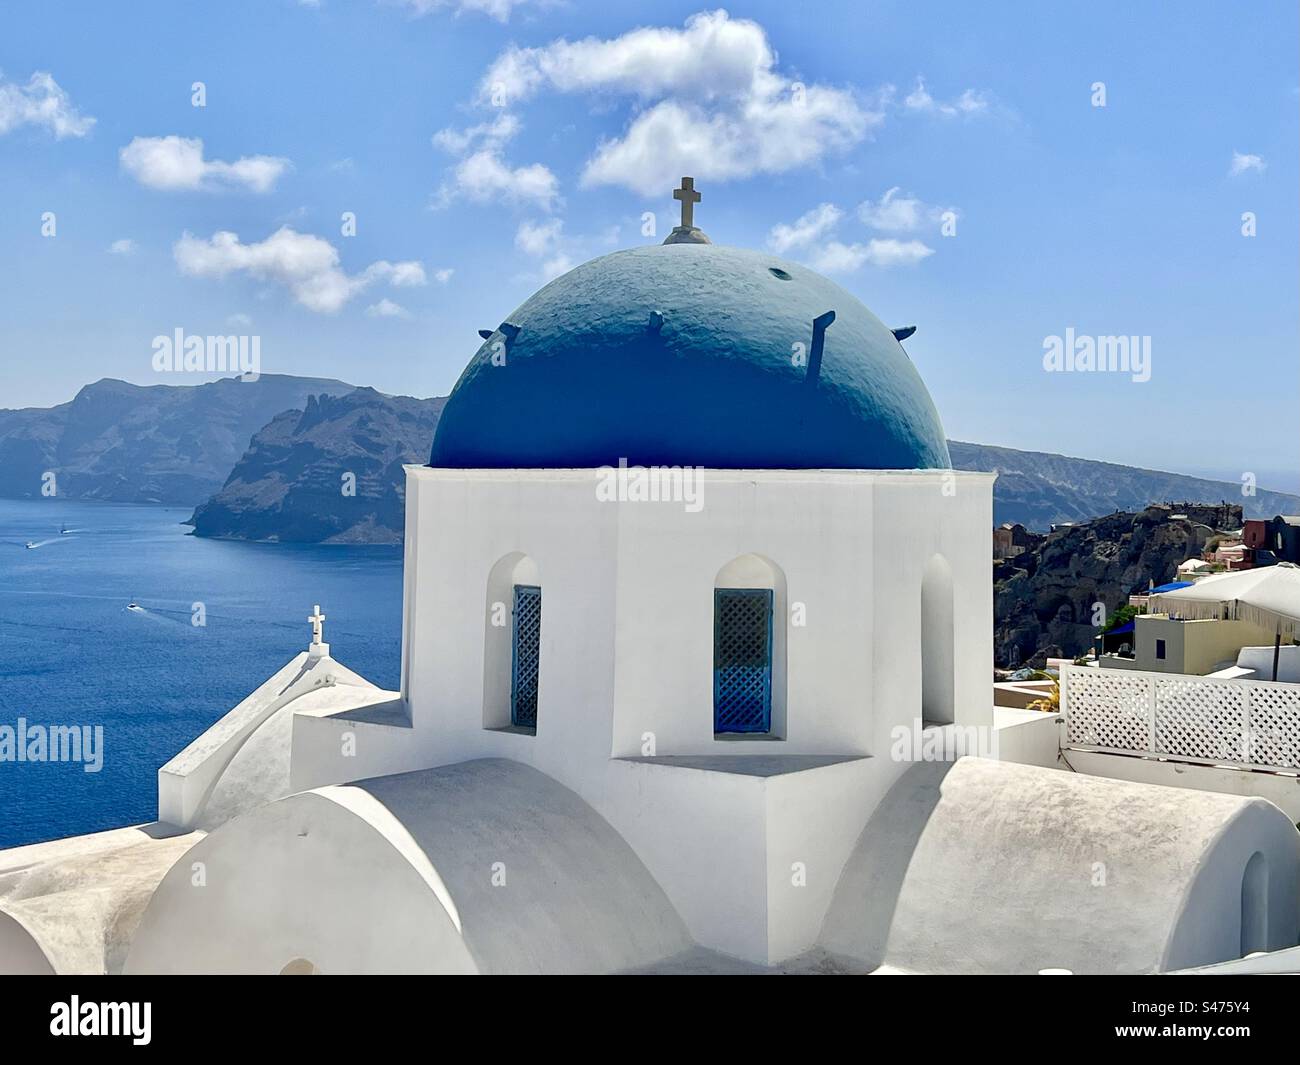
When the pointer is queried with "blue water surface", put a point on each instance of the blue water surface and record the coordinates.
(71, 653)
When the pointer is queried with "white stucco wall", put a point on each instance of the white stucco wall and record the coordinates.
(244, 759)
(627, 664)
(1030, 737)
(1281, 789)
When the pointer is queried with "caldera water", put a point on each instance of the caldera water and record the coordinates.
(73, 654)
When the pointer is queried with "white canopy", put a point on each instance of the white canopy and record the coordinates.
(1268, 597)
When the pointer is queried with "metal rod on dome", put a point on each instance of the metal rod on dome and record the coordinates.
(818, 344)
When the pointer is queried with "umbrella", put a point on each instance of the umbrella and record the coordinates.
(1268, 597)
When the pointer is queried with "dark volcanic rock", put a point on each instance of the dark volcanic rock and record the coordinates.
(290, 484)
(1043, 600)
(126, 443)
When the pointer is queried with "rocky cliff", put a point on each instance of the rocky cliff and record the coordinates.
(329, 473)
(126, 443)
(1044, 600)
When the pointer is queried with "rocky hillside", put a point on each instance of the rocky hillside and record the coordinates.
(180, 444)
(1040, 489)
(1043, 600)
(296, 481)
(128, 443)
(274, 488)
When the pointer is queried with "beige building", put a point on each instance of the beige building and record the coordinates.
(1162, 644)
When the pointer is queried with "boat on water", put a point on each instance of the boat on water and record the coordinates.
(30, 545)
(133, 605)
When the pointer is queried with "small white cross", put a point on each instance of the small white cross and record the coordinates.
(317, 625)
(689, 198)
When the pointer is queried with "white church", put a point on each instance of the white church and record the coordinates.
(696, 615)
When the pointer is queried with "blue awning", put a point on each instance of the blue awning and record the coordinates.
(1126, 627)
(1172, 586)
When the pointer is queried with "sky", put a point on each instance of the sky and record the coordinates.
(369, 182)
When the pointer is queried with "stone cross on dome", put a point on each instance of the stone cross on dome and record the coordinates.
(689, 198)
(687, 232)
(319, 647)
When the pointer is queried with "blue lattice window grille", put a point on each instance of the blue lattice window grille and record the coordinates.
(742, 660)
(524, 655)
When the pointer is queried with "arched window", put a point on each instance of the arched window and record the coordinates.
(1254, 905)
(749, 638)
(937, 664)
(512, 644)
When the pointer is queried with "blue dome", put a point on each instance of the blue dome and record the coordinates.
(683, 355)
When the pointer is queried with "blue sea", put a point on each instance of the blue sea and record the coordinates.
(71, 653)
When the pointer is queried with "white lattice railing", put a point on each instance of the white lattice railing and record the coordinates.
(1252, 724)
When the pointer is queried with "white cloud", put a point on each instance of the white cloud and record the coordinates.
(41, 102)
(970, 102)
(538, 238)
(497, 9)
(1243, 163)
(713, 56)
(444, 275)
(173, 162)
(835, 257)
(811, 238)
(767, 135)
(895, 213)
(239, 318)
(838, 258)
(718, 108)
(810, 227)
(891, 252)
(409, 274)
(305, 264)
(483, 176)
(125, 246)
(545, 241)
(492, 134)
(557, 264)
(386, 308)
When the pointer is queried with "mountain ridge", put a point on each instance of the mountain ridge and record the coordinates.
(213, 445)
(125, 443)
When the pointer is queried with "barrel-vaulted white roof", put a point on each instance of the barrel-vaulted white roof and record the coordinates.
(484, 866)
(1005, 868)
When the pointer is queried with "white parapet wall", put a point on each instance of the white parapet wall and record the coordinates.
(1236, 737)
(1247, 723)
